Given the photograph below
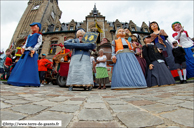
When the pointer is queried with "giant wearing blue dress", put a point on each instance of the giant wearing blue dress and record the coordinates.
(25, 72)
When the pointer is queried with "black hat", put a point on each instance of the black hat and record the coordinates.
(146, 37)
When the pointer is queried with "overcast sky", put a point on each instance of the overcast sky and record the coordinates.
(163, 12)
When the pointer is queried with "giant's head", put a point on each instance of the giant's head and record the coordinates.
(35, 27)
(176, 26)
(153, 26)
(120, 33)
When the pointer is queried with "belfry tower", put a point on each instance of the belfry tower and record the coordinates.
(43, 11)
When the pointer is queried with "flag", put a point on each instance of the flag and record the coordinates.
(97, 26)
(51, 51)
(12, 45)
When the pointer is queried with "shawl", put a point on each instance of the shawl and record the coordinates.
(160, 40)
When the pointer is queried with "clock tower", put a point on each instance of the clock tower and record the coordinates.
(43, 11)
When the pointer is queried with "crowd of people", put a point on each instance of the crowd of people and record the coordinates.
(135, 65)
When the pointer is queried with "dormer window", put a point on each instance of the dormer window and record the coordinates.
(53, 15)
(71, 28)
(118, 27)
(43, 31)
(145, 29)
(133, 28)
(56, 29)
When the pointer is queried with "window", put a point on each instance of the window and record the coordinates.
(40, 49)
(43, 31)
(56, 29)
(53, 15)
(71, 28)
(133, 28)
(53, 47)
(145, 29)
(118, 27)
(35, 7)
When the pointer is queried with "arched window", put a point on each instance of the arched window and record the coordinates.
(52, 50)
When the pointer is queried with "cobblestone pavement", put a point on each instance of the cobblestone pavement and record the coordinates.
(169, 106)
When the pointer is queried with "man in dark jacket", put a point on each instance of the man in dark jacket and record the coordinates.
(179, 58)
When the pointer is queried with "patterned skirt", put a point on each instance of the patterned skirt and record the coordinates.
(102, 75)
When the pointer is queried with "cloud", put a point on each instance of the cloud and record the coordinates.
(163, 12)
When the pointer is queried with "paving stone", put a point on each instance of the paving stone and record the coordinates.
(18, 101)
(131, 99)
(95, 105)
(117, 102)
(89, 124)
(11, 97)
(108, 96)
(164, 95)
(77, 99)
(140, 119)
(65, 108)
(34, 98)
(95, 100)
(187, 104)
(58, 99)
(181, 116)
(123, 108)
(28, 109)
(158, 108)
(170, 101)
(95, 115)
(183, 97)
(112, 99)
(179, 97)
(6, 115)
(141, 102)
(73, 102)
(45, 103)
(64, 118)
(185, 94)
(27, 95)
(3, 105)
(152, 98)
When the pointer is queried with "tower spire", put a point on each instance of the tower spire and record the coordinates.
(95, 11)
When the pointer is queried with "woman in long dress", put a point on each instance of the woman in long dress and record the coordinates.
(80, 69)
(159, 37)
(127, 72)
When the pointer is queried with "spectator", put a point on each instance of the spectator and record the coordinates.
(2, 59)
(7, 66)
(101, 70)
(42, 68)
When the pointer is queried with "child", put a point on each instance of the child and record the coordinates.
(179, 57)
